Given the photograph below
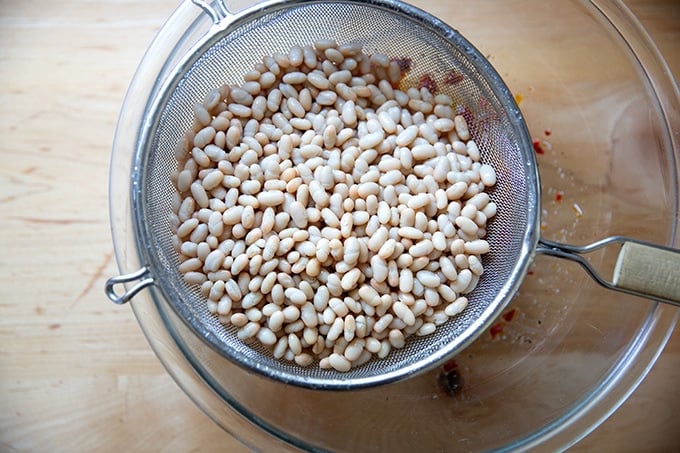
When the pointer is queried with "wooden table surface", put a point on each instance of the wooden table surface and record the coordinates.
(76, 373)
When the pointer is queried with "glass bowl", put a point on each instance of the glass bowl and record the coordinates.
(566, 353)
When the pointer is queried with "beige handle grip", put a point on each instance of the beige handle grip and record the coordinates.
(648, 270)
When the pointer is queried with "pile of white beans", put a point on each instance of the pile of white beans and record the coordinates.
(327, 214)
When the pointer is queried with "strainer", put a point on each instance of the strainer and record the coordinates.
(234, 44)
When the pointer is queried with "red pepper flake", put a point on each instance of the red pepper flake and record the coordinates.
(426, 81)
(496, 330)
(547, 132)
(538, 148)
(558, 196)
(453, 77)
(404, 63)
(508, 316)
(450, 366)
(530, 273)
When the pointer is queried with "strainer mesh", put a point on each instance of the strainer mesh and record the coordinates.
(226, 57)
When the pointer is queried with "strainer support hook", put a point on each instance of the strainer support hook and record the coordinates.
(216, 14)
(144, 277)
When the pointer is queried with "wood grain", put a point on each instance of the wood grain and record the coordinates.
(76, 373)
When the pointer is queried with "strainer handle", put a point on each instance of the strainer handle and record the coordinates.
(648, 270)
(642, 269)
(144, 277)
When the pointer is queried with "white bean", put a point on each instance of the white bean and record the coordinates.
(462, 281)
(354, 349)
(339, 362)
(477, 247)
(428, 279)
(426, 329)
(462, 127)
(266, 336)
(488, 175)
(423, 152)
(295, 296)
(467, 225)
(456, 306)
(422, 248)
(404, 313)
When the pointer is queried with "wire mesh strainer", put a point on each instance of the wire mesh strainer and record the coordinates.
(232, 47)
